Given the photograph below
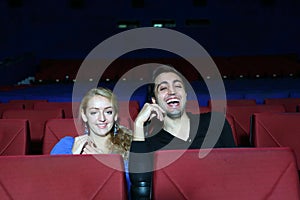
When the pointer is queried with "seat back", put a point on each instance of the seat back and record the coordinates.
(128, 111)
(234, 102)
(28, 103)
(65, 106)
(14, 137)
(241, 116)
(193, 106)
(233, 173)
(277, 130)
(36, 118)
(290, 104)
(62, 177)
(56, 129)
(10, 106)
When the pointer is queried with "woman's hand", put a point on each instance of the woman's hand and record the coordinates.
(91, 148)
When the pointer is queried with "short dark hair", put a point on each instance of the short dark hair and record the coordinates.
(165, 69)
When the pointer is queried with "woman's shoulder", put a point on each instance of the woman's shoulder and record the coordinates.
(66, 140)
(64, 146)
(125, 130)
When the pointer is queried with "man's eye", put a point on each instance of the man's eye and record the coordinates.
(178, 86)
(93, 113)
(162, 88)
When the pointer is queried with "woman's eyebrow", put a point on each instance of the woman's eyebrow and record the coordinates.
(108, 107)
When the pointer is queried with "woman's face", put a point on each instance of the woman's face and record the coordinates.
(100, 115)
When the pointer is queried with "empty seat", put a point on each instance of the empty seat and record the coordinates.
(235, 102)
(241, 116)
(56, 129)
(128, 111)
(9, 106)
(193, 106)
(14, 137)
(28, 104)
(37, 120)
(229, 102)
(240, 173)
(290, 104)
(62, 177)
(277, 130)
(67, 107)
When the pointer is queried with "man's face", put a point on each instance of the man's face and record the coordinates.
(170, 94)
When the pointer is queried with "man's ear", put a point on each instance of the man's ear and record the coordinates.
(153, 99)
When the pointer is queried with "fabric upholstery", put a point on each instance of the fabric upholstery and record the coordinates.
(14, 136)
(62, 177)
(241, 117)
(240, 173)
(277, 130)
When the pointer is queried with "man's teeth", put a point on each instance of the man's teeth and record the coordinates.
(172, 101)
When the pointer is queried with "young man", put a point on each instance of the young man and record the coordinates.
(180, 130)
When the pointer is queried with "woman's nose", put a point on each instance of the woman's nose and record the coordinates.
(101, 117)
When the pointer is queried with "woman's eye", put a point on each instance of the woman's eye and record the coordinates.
(109, 112)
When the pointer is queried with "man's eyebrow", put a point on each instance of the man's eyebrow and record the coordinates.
(165, 82)
(175, 81)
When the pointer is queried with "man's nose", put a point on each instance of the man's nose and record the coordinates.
(171, 90)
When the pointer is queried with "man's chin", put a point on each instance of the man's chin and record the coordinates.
(174, 115)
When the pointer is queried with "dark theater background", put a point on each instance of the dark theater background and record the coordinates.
(255, 45)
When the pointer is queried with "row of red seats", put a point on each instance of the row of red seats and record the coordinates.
(239, 173)
(126, 109)
(240, 121)
(40, 112)
(238, 114)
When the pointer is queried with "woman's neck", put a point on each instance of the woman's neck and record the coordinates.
(102, 142)
(179, 127)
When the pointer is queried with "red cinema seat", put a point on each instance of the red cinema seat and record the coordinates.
(37, 120)
(193, 107)
(234, 102)
(290, 104)
(128, 111)
(277, 130)
(14, 137)
(241, 116)
(28, 104)
(65, 177)
(10, 106)
(67, 107)
(239, 173)
(56, 129)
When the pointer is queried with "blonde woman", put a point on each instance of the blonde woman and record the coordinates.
(99, 113)
(103, 135)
